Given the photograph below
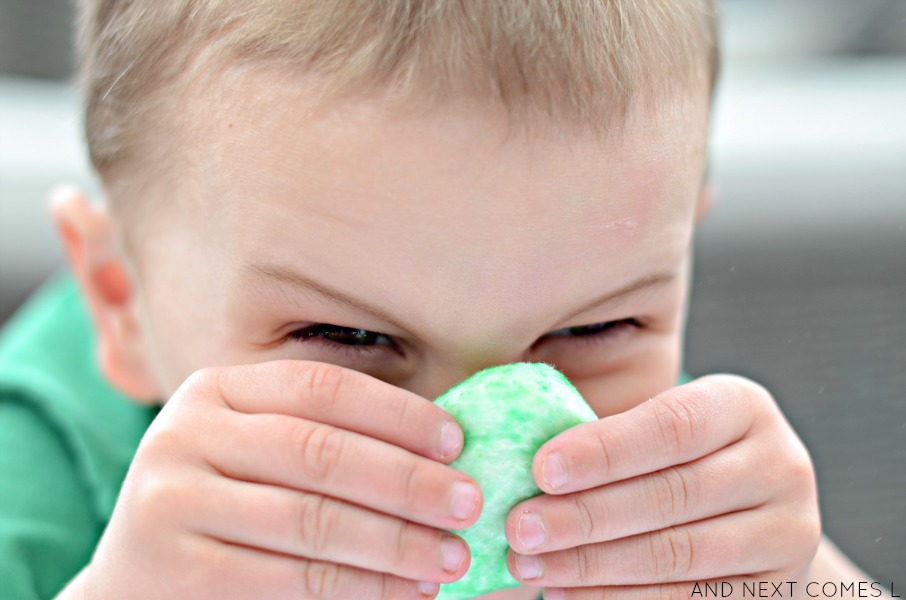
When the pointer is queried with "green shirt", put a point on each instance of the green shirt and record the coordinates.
(66, 441)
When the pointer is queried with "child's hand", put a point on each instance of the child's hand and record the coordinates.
(704, 482)
(288, 479)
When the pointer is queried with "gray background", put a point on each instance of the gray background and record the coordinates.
(800, 280)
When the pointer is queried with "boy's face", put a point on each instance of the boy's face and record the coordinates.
(451, 246)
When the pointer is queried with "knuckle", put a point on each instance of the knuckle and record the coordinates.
(793, 473)
(209, 561)
(758, 401)
(753, 389)
(163, 439)
(323, 382)
(803, 530)
(583, 563)
(205, 381)
(672, 551)
(801, 469)
(410, 484)
(382, 586)
(196, 386)
(160, 499)
(320, 579)
(404, 534)
(318, 521)
(606, 464)
(401, 415)
(587, 524)
(187, 402)
(747, 394)
(678, 422)
(320, 448)
(385, 587)
(391, 587)
(671, 494)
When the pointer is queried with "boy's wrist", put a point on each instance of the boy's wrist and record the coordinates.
(831, 565)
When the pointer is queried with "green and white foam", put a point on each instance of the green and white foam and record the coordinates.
(506, 414)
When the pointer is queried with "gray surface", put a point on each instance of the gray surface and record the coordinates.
(800, 280)
(40, 146)
(37, 37)
(824, 331)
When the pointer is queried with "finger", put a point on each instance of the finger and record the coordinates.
(760, 586)
(719, 483)
(324, 529)
(675, 427)
(750, 541)
(309, 456)
(257, 574)
(340, 397)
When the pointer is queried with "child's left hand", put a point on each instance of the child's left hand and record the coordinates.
(705, 482)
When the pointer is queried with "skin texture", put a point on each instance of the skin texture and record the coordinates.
(317, 470)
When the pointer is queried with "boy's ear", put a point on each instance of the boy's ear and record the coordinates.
(706, 195)
(85, 231)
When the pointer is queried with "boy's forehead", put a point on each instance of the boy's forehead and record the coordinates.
(465, 152)
(437, 210)
(442, 193)
(290, 125)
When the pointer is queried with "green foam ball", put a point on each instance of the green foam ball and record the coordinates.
(506, 414)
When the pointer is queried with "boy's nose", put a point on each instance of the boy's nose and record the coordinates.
(433, 379)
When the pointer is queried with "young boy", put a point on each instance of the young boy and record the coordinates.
(320, 215)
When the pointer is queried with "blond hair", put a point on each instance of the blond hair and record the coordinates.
(579, 61)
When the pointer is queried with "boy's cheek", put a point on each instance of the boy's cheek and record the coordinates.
(621, 389)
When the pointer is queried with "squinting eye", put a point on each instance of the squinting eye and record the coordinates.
(593, 329)
(346, 336)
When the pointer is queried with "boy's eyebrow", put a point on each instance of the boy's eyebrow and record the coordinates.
(646, 281)
(299, 280)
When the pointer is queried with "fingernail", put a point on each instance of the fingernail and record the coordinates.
(450, 440)
(428, 589)
(528, 567)
(553, 472)
(554, 594)
(464, 501)
(530, 530)
(452, 553)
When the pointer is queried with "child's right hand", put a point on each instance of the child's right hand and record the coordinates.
(288, 479)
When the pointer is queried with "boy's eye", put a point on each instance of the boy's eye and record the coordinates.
(592, 329)
(585, 336)
(346, 336)
(363, 343)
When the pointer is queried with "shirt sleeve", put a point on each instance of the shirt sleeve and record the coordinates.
(48, 529)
